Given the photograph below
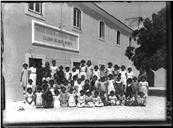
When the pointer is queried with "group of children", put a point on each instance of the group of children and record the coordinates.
(84, 85)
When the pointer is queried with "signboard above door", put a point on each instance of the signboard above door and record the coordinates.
(51, 36)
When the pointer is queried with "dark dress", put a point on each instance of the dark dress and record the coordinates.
(39, 78)
(60, 77)
(48, 99)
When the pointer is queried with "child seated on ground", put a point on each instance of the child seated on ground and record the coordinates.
(71, 99)
(29, 100)
(88, 100)
(63, 97)
(122, 98)
(104, 99)
(97, 100)
(81, 99)
(130, 101)
(113, 99)
(56, 98)
(38, 98)
(143, 86)
(141, 99)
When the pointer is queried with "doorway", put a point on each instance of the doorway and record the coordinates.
(35, 60)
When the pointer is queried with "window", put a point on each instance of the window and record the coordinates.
(77, 18)
(35, 7)
(130, 39)
(118, 37)
(101, 30)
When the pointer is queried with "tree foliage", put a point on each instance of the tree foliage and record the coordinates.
(151, 38)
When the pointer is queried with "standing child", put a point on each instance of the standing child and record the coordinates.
(38, 98)
(103, 86)
(83, 69)
(109, 69)
(89, 100)
(86, 86)
(56, 99)
(129, 88)
(47, 72)
(32, 73)
(97, 100)
(67, 73)
(81, 99)
(79, 86)
(89, 70)
(74, 72)
(53, 68)
(63, 97)
(130, 73)
(113, 99)
(96, 71)
(71, 100)
(29, 99)
(103, 99)
(123, 76)
(30, 85)
(102, 71)
(118, 85)
(111, 84)
(116, 72)
(24, 77)
(48, 100)
(135, 87)
(60, 75)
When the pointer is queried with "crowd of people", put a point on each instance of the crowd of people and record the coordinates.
(84, 85)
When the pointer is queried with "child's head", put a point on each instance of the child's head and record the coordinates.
(116, 67)
(88, 62)
(141, 94)
(75, 77)
(81, 92)
(53, 62)
(112, 93)
(101, 93)
(72, 82)
(82, 78)
(102, 79)
(129, 81)
(134, 79)
(30, 81)
(39, 89)
(71, 90)
(88, 93)
(56, 92)
(94, 77)
(86, 81)
(143, 78)
(61, 68)
(110, 76)
(96, 67)
(109, 64)
(82, 62)
(102, 67)
(123, 67)
(129, 69)
(63, 89)
(96, 93)
(67, 68)
(47, 64)
(29, 90)
(51, 82)
(79, 81)
(74, 69)
(25, 65)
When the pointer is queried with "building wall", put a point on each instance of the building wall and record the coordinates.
(18, 41)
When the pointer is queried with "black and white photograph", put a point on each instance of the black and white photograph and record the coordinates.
(86, 63)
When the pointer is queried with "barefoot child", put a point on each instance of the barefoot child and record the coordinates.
(56, 99)
(81, 99)
(63, 97)
(113, 99)
(29, 99)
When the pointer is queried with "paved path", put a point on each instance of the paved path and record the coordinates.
(155, 110)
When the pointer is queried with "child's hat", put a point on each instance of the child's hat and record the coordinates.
(25, 64)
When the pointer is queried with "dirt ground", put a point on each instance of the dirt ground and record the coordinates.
(155, 110)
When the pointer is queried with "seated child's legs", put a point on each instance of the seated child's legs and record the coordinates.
(80, 105)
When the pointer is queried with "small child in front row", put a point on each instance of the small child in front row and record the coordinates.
(113, 99)
(29, 99)
(30, 85)
(88, 100)
(38, 98)
(97, 100)
(56, 98)
(81, 99)
(63, 97)
(71, 99)
(141, 99)
(122, 98)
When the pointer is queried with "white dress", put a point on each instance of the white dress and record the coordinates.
(110, 71)
(67, 75)
(71, 100)
(56, 101)
(113, 100)
(33, 75)
(24, 77)
(110, 86)
(79, 87)
(97, 73)
(89, 72)
(123, 77)
(81, 101)
(130, 75)
(53, 70)
(74, 73)
(83, 71)
(29, 98)
(39, 100)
